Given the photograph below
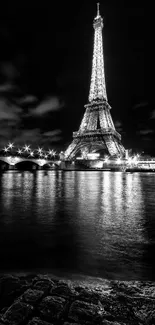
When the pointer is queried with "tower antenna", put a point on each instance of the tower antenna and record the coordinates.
(98, 9)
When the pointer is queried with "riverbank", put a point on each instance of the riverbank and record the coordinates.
(46, 299)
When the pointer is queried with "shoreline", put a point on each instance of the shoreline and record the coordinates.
(28, 298)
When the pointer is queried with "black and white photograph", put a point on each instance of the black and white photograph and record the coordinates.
(77, 163)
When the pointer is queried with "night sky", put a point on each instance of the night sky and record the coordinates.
(45, 69)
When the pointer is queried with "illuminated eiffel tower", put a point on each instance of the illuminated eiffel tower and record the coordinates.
(97, 132)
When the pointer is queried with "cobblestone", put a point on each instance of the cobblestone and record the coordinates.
(38, 321)
(17, 313)
(32, 296)
(41, 300)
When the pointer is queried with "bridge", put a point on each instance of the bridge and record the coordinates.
(13, 162)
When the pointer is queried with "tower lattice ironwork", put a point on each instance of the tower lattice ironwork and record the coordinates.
(97, 131)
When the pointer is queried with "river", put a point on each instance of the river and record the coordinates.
(89, 223)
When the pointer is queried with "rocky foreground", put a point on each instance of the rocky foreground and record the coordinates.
(43, 300)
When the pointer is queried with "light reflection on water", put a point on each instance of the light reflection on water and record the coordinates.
(95, 223)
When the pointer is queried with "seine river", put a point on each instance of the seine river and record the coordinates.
(89, 223)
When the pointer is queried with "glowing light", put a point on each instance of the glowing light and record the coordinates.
(106, 160)
(129, 160)
(93, 155)
(31, 153)
(98, 87)
(26, 148)
(6, 149)
(19, 151)
(45, 156)
(12, 160)
(40, 151)
(118, 161)
(10, 145)
(41, 162)
(50, 152)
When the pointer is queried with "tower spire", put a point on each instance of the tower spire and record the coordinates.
(97, 85)
(98, 9)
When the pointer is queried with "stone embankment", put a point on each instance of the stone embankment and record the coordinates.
(43, 300)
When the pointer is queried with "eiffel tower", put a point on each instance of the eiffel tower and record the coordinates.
(97, 132)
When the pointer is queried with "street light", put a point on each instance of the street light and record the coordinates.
(26, 148)
(10, 145)
(6, 149)
(19, 151)
(40, 150)
(50, 152)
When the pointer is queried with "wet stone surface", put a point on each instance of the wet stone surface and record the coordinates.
(38, 321)
(43, 300)
(52, 308)
(32, 296)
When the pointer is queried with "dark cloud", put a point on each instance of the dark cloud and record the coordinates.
(50, 104)
(6, 132)
(7, 128)
(52, 133)
(142, 104)
(14, 120)
(118, 126)
(7, 87)
(27, 136)
(27, 99)
(146, 131)
(9, 111)
(51, 140)
(53, 136)
(34, 137)
(147, 138)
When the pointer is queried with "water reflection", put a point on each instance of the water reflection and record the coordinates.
(97, 223)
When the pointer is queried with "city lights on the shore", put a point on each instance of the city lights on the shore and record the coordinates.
(54, 153)
(27, 148)
(40, 151)
(42, 162)
(14, 154)
(10, 145)
(118, 161)
(106, 160)
(11, 150)
(6, 149)
(50, 152)
(93, 155)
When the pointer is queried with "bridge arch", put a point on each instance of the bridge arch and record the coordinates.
(4, 165)
(14, 162)
(27, 165)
